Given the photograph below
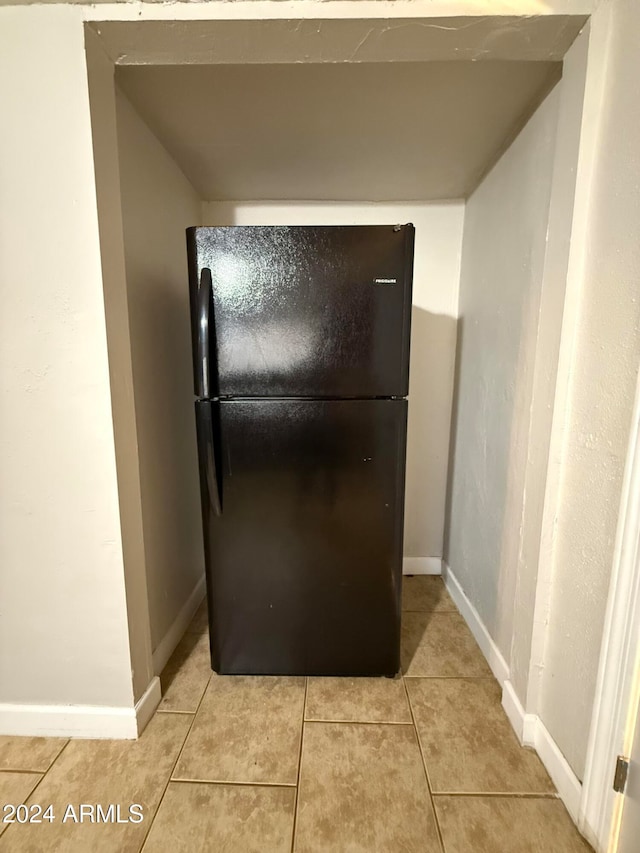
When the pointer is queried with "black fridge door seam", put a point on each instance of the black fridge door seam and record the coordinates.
(293, 398)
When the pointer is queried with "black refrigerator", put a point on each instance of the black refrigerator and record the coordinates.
(301, 365)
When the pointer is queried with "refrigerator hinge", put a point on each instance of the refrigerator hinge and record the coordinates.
(620, 776)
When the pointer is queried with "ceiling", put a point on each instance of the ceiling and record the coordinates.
(366, 131)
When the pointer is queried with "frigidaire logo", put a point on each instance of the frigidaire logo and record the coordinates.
(385, 281)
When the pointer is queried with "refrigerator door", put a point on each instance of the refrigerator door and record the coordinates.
(304, 558)
(304, 311)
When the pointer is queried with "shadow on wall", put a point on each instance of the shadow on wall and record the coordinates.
(163, 383)
(453, 439)
(488, 457)
(431, 378)
(476, 485)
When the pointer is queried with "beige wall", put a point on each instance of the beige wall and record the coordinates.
(537, 512)
(433, 334)
(505, 235)
(63, 618)
(603, 370)
(107, 177)
(158, 204)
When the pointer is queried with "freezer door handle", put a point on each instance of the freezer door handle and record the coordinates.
(203, 351)
(206, 443)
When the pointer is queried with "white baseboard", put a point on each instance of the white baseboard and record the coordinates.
(523, 724)
(168, 643)
(422, 565)
(528, 727)
(471, 616)
(563, 777)
(532, 732)
(80, 721)
(147, 704)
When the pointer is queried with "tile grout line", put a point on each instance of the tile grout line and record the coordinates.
(175, 711)
(33, 790)
(58, 754)
(426, 772)
(518, 795)
(456, 677)
(28, 797)
(62, 749)
(42, 778)
(237, 784)
(297, 788)
(410, 610)
(363, 722)
(175, 764)
(35, 786)
(17, 772)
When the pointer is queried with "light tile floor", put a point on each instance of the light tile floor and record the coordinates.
(425, 763)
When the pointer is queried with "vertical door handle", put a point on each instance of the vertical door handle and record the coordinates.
(207, 445)
(203, 339)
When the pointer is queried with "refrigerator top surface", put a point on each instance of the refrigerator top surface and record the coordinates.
(304, 311)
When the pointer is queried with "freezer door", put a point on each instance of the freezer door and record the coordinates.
(304, 311)
(304, 550)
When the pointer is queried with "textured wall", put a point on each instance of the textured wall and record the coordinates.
(503, 254)
(603, 378)
(527, 647)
